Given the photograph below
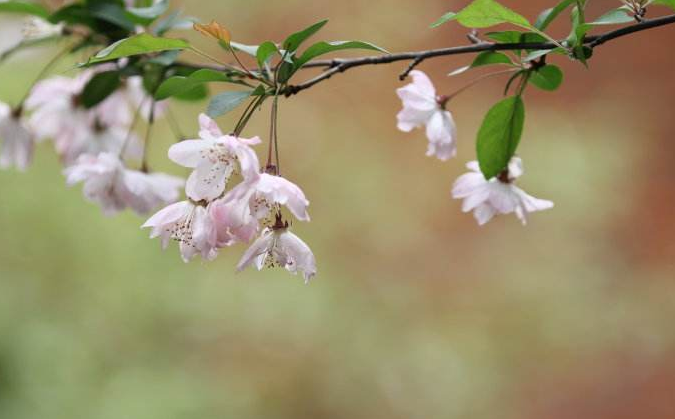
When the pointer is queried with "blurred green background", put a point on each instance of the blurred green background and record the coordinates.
(416, 311)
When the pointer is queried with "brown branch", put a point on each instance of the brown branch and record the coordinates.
(338, 65)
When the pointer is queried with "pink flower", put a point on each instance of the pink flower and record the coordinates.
(215, 157)
(108, 183)
(279, 247)
(269, 192)
(421, 107)
(487, 198)
(190, 225)
(17, 140)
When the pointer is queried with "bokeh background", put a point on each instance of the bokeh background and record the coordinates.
(416, 311)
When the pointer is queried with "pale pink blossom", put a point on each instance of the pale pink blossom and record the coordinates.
(16, 139)
(114, 187)
(269, 192)
(214, 158)
(190, 225)
(499, 195)
(278, 247)
(421, 107)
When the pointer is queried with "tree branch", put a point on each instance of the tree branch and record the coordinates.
(339, 65)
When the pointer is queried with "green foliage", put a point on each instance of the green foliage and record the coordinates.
(323, 47)
(549, 15)
(668, 3)
(136, 45)
(443, 19)
(548, 77)
(486, 13)
(99, 88)
(225, 102)
(180, 85)
(264, 52)
(24, 7)
(293, 42)
(499, 135)
(484, 59)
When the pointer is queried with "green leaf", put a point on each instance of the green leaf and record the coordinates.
(99, 88)
(444, 19)
(486, 13)
(613, 17)
(505, 37)
(178, 85)
(264, 52)
(137, 45)
(293, 42)
(499, 135)
(541, 52)
(198, 93)
(483, 59)
(549, 15)
(669, 3)
(225, 102)
(548, 77)
(24, 7)
(321, 48)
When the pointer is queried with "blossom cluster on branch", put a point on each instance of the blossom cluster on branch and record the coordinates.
(134, 70)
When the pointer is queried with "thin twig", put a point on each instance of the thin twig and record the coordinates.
(335, 66)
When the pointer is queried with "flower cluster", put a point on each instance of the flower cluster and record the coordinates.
(92, 143)
(214, 217)
(485, 197)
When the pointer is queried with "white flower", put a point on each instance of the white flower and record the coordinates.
(487, 198)
(279, 247)
(215, 158)
(35, 28)
(421, 107)
(188, 223)
(114, 187)
(16, 138)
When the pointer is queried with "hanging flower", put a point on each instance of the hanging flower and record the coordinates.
(189, 224)
(421, 107)
(278, 247)
(214, 158)
(17, 139)
(499, 195)
(114, 187)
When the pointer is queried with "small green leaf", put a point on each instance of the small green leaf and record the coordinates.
(536, 54)
(499, 135)
(483, 59)
(321, 48)
(548, 77)
(24, 7)
(112, 13)
(293, 42)
(444, 19)
(197, 93)
(486, 13)
(264, 52)
(225, 102)
(173, 21)
(178, 85)
(549, 15)
(99, 88)
(614, 17)
(137, 45)
(505, 37)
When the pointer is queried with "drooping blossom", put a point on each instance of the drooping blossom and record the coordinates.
(238, 213)
(16, 138)
(189, 224)
(499, 195)
(421, 107)
(278, 247)
(114, 187)
(214, 158)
